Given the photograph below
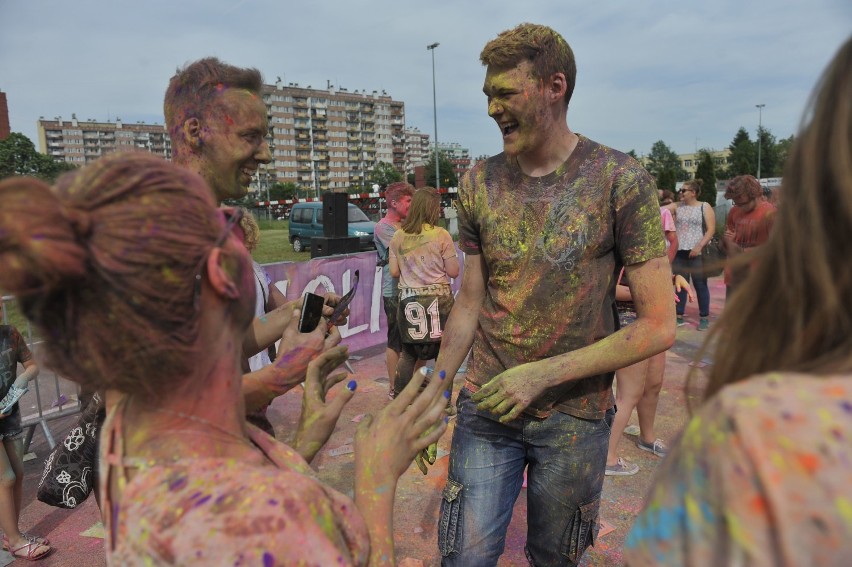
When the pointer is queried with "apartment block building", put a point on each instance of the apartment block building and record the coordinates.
(418, 149)
(80, 142)
(458, 156)
(690, 161)
(330, 140)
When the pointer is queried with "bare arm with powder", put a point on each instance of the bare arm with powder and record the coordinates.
(384, 448)
(512, 391)
(319, 415)
(296, 351)
(464, 318)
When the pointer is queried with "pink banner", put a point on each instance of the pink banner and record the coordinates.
(367, 325)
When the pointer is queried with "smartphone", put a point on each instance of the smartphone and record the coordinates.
(312, 305)
(344, 302)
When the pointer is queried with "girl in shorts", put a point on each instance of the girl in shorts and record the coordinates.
(423, 257)
(14, 350)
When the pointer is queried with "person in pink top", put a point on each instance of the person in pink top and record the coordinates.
(761, 474)
(423, 257)
(639, 385)
(670, 232)
(143, 289)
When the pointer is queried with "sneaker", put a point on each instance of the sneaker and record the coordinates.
(11, 398)
(631, 430)
(621, 468)
(703, 324)
(657, 447)
(680, 321)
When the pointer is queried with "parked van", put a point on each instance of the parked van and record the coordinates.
(306, 223)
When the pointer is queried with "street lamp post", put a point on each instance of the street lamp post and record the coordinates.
(435, 114)
(759, 128)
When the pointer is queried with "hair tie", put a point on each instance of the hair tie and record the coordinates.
(80, 221)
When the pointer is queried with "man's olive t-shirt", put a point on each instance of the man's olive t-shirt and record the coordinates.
(553, 247)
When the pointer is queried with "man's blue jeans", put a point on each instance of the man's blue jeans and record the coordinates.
(566, 459)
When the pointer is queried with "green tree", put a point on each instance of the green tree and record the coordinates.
(706, 171)
(18, 156)
(383, 174)
(743, 158)
(448, 176)
(410, 178)
(783, 148)
(632, 153)
(283, 191)
(664, 164)
(769, 163)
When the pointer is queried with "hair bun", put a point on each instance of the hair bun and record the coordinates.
(39, 248)
(81, 222)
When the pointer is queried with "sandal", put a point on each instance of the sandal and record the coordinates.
(30, 551)
(29, 537)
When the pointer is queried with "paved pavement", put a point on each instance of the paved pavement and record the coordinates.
(418, 497)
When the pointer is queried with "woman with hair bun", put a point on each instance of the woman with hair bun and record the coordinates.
(142, 288)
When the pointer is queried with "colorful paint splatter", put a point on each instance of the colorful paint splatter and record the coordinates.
(553, 246)
(762, 475)
(219, 511)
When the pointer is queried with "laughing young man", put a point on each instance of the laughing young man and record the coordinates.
(546, 227)
(217, 122)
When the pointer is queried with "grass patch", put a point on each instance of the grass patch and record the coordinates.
(12, 316)
(274, 245)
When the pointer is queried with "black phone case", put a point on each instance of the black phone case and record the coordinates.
(311, 312)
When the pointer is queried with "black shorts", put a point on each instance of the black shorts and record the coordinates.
(10, 426)
(390, 304)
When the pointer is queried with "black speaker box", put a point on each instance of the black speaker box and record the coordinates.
(324, 246)
(335, 215)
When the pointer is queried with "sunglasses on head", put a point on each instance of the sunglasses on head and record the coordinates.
(232, 217)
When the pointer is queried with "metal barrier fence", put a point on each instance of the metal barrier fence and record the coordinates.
(64, 404)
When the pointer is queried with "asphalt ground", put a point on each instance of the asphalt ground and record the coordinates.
(418, 496)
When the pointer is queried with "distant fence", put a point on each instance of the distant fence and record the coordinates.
(51, 402)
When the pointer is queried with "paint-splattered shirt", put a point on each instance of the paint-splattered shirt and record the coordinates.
(553, 247)
(762, 475)
(217, 511)
(421, 256)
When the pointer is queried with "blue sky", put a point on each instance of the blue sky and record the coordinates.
(688, 73)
